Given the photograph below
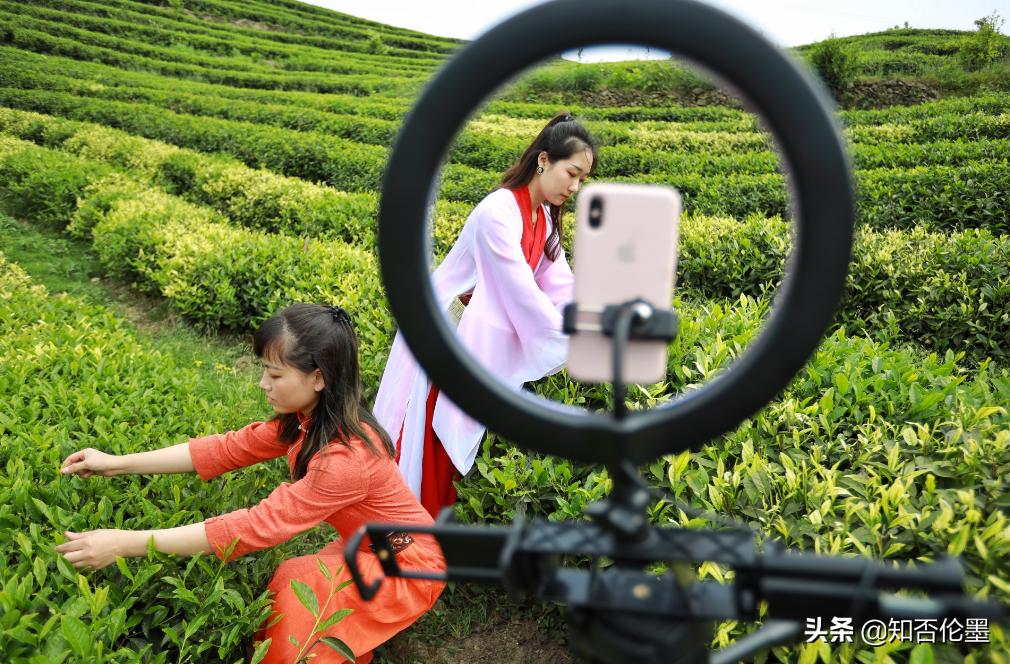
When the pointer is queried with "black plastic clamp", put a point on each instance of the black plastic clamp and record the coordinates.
(648, 323)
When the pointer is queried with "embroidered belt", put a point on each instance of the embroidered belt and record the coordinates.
(398, 541)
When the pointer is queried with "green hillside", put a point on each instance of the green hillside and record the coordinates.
(172, 173)
(897, 66)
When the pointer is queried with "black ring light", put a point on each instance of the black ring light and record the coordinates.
(798, 114)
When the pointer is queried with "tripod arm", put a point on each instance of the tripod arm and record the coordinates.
(795, 586)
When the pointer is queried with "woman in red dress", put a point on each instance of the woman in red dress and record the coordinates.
(342, 471)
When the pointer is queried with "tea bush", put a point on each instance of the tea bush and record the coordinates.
(261, 200)
(141, 39)
(35, 36)
(938, 197)
(73, 376)
(945, 291)
(313, 157)
(38, 69)
(969, 196)
(972, 193)
(44, 185)
(219, 276)
(992, 103)
(872, 449)
(826, 496)
(324, 24)
(835, 63)
(23, 68)
(249, 35)
(214, 274)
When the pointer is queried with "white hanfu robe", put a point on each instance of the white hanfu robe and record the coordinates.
(512, 325)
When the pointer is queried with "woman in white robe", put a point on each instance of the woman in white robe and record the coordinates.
(509, 268)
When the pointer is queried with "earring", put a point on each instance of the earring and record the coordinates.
(540, 170)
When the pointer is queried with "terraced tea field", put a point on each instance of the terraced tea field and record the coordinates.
(224, 159)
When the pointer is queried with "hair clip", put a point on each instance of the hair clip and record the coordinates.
(338, 314)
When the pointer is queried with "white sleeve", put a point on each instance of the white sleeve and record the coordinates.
(507, 281)
(556, 280)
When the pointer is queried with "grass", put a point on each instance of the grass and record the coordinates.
(955, 81)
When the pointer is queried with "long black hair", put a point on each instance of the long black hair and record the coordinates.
(560, 139)
(310, 337)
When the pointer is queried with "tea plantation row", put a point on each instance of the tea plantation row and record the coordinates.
(704, 148)
(972, 195)
(945, 291)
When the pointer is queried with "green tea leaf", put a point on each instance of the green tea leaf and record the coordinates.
(323, 569)
(197, 623)
(306, 596)
(124, 569)
(40, 571)
(76, 634)
(921, 654)
(339, 646)
(261, 652)
(333, 619)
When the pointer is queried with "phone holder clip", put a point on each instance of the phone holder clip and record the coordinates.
(647, 323)
(634, 319)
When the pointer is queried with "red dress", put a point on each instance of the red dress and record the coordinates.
(345, 486)
(437, 471)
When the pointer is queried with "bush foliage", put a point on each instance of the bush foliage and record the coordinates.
(74, 375)
(835, 63)
(227, 158)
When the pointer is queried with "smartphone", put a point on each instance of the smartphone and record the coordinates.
(625, 248)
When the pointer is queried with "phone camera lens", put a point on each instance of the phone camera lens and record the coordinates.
(595, 213)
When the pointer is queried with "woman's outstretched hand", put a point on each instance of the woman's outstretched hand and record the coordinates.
(96, 549)
(88, 462)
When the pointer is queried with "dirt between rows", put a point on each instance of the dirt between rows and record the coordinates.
(517, 641)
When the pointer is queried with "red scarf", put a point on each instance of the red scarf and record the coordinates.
(534, 237)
